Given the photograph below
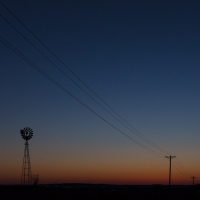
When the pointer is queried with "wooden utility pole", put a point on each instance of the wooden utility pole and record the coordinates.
(170, 158)
(193, 179)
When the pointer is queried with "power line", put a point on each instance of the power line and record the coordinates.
(74, 97)
(181, 166)
(179, 170)
(144, 139)
(140, 135)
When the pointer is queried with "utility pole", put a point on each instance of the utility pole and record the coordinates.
(170, 158)
(193, 179)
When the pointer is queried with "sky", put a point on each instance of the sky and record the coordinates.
(140, 57)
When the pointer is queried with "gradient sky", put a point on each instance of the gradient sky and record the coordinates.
(141, 57)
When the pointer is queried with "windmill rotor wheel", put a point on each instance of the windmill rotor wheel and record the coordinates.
(26, 133)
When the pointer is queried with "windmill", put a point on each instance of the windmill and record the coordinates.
(26, 177)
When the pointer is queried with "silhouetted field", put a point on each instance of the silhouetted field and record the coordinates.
(97, 192)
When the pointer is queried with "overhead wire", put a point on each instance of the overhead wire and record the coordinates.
(140, 135)
(11, 47)
(181, 166)
(132, 129)
(179, 170)
(146, 140)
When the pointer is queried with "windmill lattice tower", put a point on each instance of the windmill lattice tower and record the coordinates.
(26, 177)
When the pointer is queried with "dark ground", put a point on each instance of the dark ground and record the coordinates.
(97, 192)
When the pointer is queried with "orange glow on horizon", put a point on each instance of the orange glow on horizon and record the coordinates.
(113, 172)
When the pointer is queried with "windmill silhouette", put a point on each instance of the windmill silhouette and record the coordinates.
(26, 177)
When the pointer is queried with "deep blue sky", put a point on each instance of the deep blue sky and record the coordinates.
(141, 57)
